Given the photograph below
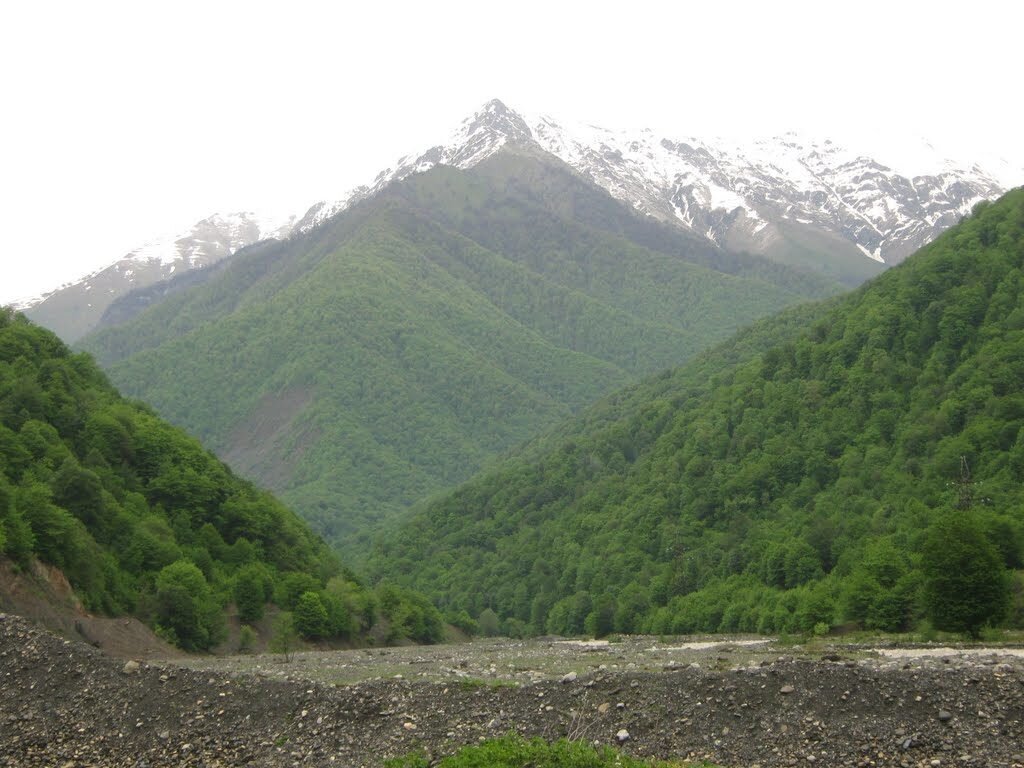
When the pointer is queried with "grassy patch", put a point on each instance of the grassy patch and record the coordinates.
(514, 751)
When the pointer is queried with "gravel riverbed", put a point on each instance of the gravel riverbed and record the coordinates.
(64, 703)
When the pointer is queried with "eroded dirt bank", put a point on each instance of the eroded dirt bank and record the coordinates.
(64, 703)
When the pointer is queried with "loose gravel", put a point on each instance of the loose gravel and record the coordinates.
(64, 703)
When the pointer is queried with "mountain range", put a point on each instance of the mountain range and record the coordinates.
(809, 203)
(804, 201)
(634, 361)
(387, 353)
(73, 309)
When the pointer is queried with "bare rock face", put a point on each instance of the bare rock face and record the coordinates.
(65, 702)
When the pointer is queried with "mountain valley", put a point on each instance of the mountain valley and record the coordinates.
(805, 474)
(365, 358)
(665, 412)
(389, 352)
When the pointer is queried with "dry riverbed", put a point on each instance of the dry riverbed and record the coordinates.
(737, 703)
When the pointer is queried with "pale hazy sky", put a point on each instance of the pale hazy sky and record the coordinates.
(122, 121)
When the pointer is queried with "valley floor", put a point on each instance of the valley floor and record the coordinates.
(65, 703)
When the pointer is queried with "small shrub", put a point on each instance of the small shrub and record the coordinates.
(310, 616)
(284, 637)
(246, 639)
(488, 623)
(993, 635)
(250, 592)
(926, 632)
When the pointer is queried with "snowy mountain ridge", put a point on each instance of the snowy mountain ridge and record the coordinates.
(74, 308)
(750, 195)
(804, 202)
(213, 238)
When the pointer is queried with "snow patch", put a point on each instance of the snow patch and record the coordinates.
(686, 180)
(875, 254)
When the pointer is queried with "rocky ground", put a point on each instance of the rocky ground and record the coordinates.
(43, 594)
(65, 703)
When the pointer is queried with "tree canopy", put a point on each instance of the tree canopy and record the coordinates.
(786, 480)
(391, 352)
(138, 515)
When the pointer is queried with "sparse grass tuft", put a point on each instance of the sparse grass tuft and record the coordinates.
(472, 683)
(513, 751)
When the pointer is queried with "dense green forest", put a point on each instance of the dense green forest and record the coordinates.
(855, 462)
(142, 520)
(393, 351)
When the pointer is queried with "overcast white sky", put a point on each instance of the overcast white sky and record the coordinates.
(126, 120)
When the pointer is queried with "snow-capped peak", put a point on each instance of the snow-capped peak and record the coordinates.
(748, 194)
(763, 194)
(477, 138)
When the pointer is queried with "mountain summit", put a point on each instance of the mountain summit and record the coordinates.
(809, 202)
(383, 356)
(479, 137)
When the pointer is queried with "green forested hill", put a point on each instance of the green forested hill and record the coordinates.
(143, 520)
(391, 352)
(802, 475)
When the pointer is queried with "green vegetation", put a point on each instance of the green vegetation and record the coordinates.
(142, 520)
(389, 354)
(516, 752)
(311, 616)
(827, 253)
(965, 583)
(187, 612)
(284, 637)
(799, 477)
(246, 639)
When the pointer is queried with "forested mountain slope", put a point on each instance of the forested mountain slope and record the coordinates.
(111, 494)
(795, 477)
(391, 351)
(142, 520)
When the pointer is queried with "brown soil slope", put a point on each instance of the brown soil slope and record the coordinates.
(44, 595)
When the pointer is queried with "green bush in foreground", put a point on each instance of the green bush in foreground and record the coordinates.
(514, 751)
